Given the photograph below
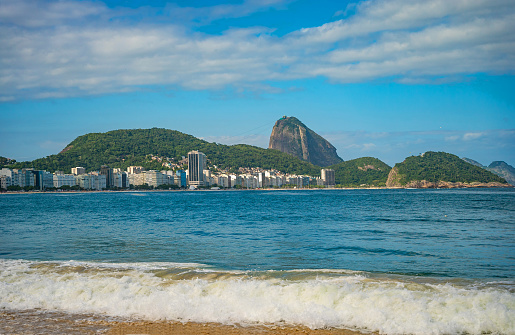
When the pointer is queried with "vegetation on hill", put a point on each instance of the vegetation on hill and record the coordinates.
(123, 148)
(5, 161)
(367, 171)
(439, 166)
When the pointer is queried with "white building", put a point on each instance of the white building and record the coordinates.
(135, 169)
(60, 180)
(91, 181)
(78, 170)
(155, 178)
(137, 179)
(7, 178)
(120, 179)
(328, 177)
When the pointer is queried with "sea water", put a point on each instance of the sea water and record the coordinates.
(390, 261)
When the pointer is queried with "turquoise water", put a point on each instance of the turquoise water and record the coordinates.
(422, 261)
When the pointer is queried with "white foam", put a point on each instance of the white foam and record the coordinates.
(386, 306)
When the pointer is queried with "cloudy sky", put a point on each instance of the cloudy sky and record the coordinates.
(381, 78)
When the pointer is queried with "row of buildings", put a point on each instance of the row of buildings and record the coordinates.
(197, 175)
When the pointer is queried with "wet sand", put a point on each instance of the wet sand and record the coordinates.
(190, 328)
(39, 322)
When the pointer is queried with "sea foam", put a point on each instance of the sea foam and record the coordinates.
(347, 300)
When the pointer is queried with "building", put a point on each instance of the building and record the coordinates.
(91, 181)
(108, 172)
(328, 177)
(196, 166)
(155, 178)
(43, 179)
(136, 179)
(180, 179)
(135, 169)
(63, 179)
(120, 179)
(78, 170)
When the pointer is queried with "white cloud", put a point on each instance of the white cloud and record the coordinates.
(452, 138)
(472, 136)
(55, 52)
(38, 13)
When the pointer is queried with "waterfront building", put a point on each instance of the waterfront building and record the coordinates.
(5, 182)
(43, 179)
(155, 178)
(328, 177)
(196, 166)
(223, 181)
(108, 172)
(7, 178)
(62, 179)
(135, 169)
(91, 181)
(136, 179)
(181, 178)
(98, 181)
(120, 179)
(78, 170)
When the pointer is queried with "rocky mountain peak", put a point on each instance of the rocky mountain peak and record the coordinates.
(291, 136)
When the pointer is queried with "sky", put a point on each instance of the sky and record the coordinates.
(381, 78)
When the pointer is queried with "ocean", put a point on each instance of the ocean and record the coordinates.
(388, 261)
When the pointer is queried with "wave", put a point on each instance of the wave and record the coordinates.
(313, 298)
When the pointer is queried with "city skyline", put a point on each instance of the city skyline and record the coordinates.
(387, 79)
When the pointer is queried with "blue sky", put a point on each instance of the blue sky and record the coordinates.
(386, 79)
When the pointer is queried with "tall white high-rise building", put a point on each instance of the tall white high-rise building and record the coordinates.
(328, 177)
(196, 165)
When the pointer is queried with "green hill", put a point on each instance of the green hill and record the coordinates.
(4, 161)
(123, 148)
(367, 170)
(437, 167)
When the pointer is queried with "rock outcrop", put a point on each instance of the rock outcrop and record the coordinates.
(291, 136)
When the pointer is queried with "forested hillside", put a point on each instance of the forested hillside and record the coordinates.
(367, 171)
(123, 148)
(439, 166)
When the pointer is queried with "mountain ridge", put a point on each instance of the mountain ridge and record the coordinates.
(126, 147)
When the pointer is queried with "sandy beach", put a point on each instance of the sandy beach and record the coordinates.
(158, 328)
(44, 322)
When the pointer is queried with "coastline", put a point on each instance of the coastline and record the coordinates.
(409, 187)
(192, 328)
(48, 322)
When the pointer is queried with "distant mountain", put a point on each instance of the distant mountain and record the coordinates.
(123, 148)
(500, 168)
(473, 162)
(291, 136)
(503, 170)
(367, 171)
(439, 169)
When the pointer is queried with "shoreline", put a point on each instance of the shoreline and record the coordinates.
(193, 328)
(463, 186)
(50, 322)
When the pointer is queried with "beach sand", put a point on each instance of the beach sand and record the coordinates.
(190, 328)
(44, 322)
